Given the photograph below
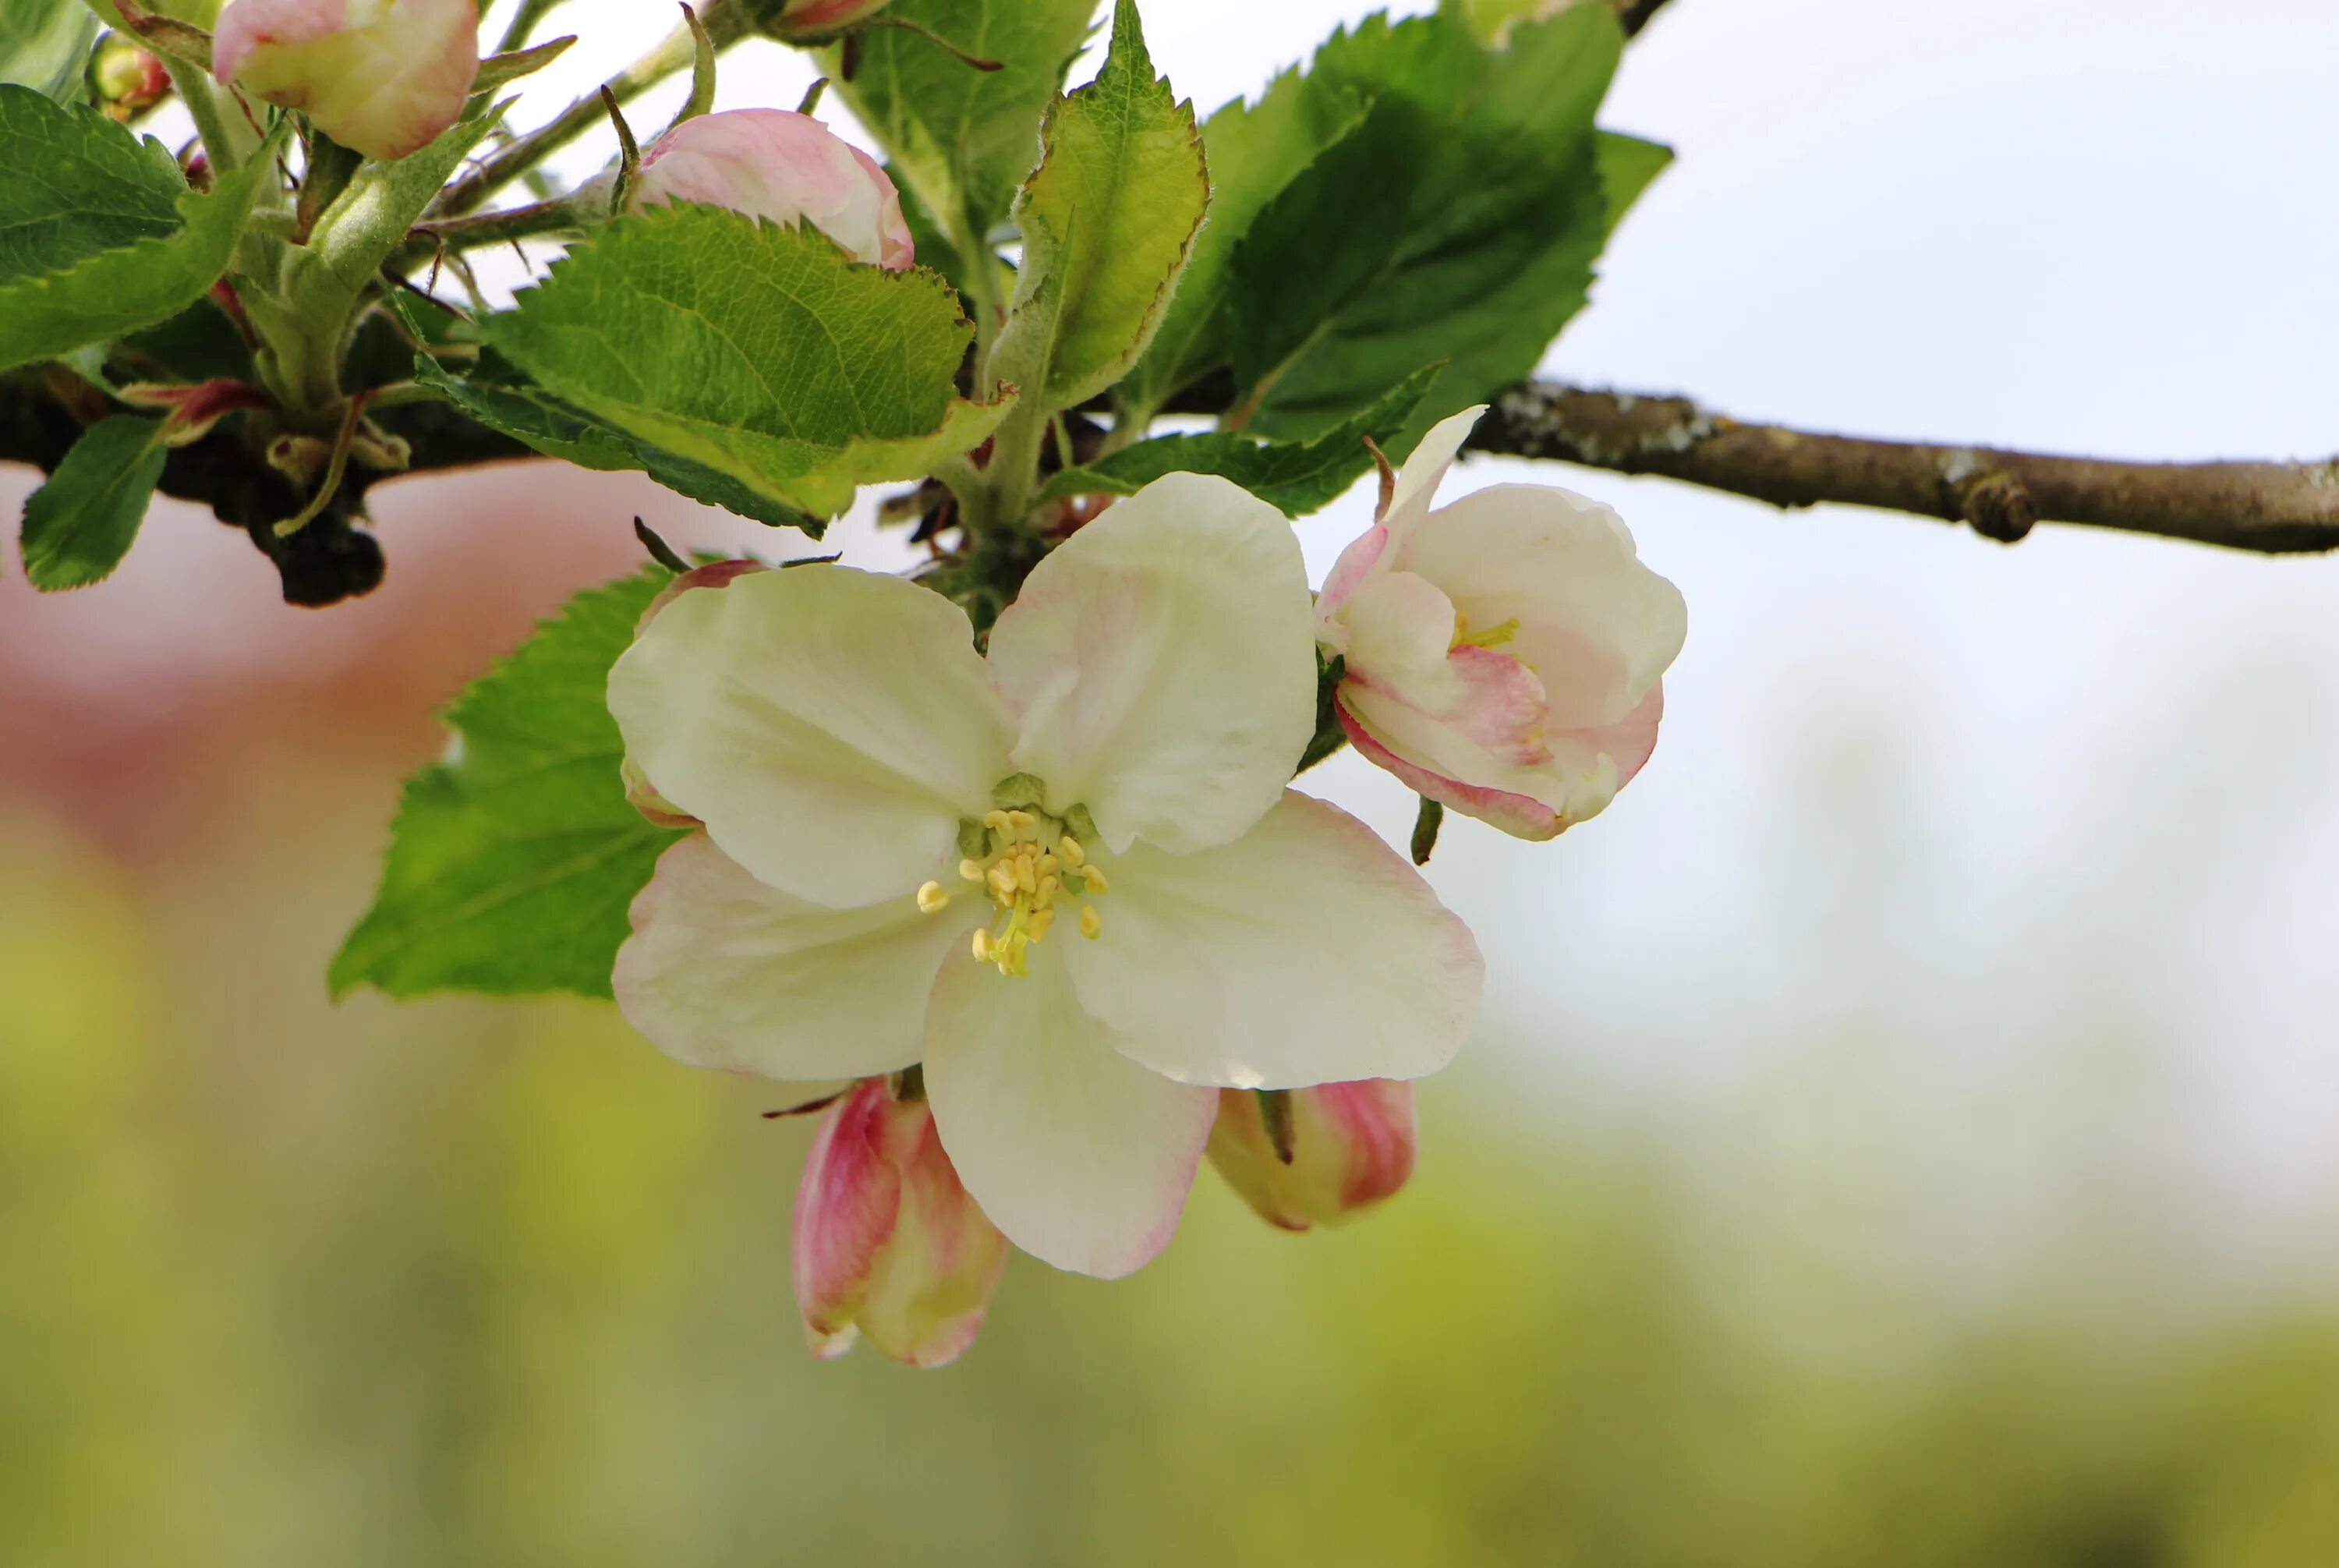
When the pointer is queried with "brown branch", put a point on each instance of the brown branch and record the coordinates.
(2275, 508)
(1635, 14)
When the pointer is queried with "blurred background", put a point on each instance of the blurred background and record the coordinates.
(1902, 1131)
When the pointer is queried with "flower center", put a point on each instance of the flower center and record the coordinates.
(1032, 868)
(1494, 637)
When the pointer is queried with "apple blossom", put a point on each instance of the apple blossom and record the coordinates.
(382, 77)
(888, 1245)
(775, 165)
(1066, 877)
(808, 17)
(1503, 654)
(1351, 1146)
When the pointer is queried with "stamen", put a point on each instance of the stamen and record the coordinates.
(1069, 848)
(1494, 637)
(982, 945)
(931, 897)
(1093, 881)
(1091, 921)
(971, 869)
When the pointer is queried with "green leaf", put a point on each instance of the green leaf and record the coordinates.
(526, 414)
(761, 353)
(79, 525)
(45, 45)
(1459, 219)
(964, 139)
(1628, 166)
(511, 868)
(73, 183)
(1295, 477)
(1107, 219)
(130, 285)
(1255, 151)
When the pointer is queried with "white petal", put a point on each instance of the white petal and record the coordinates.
(723, 971)
(829, 726)
(1417, 481)
(1163, 661)
(1307, 951)
(1400, 630)
(1597, 625)
(1083, 1157)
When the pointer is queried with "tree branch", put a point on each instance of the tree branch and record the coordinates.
(2275, 508)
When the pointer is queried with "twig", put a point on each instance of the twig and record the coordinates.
(2274, 509)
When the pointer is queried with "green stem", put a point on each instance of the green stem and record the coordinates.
(561, 214)
(725, 22)
(524, 23)
(217, 120)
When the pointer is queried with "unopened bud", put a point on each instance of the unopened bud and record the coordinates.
(127, 78)
(803, 18)
(382, 77)
(786, 168)
(1351, 1145)
(889, 1247)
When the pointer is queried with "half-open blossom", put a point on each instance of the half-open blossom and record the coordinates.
(1066, 877)
(889, 1247)
(1503, 652)
(384, 77)
(808, 17)
(786, 168)
(1351, 1146)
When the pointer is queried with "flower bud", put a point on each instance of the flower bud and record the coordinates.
(801, 18)
(382, 77)
(785, 167)
(127, 79)
(1351, 1146)
(888, 1245)
(1502, 655)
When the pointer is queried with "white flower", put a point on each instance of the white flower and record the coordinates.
(1504, 653)
(1067, 877)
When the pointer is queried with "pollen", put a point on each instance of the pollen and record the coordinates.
(1494, 637)
(932, 898)
(1031, 870)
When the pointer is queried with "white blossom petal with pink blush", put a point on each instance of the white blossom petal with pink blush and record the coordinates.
(784, 168)
(888, 1245)
(1307, 951)
(723, 971)
(831, 727)
(383, 77)
(1163, 663)
(1083, 1157)
(1352, 1146)
(1546, 698)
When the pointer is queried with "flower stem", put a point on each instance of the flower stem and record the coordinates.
(214, 119)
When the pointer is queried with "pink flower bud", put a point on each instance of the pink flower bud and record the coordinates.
(814, 17)
(1352, 1145)
(1503, 653)
(127, 78)
(383, 77)
(888, 1245)
(784, 167)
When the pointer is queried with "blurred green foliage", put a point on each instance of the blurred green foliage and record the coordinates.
(490, 1284)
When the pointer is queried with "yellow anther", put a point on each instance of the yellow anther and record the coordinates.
(1091, 921)
(1022, 824)
(1045, 894)
(971, 869)
(931, 897)
(1002, 881)
(1048, 865)
(1069, 848)
(1041, 921)
(1093, 881)
(1494, 637)
(996, 821)
(982, 945)
(1024, 877)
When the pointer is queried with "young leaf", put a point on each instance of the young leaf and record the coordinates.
(964, 139)
(79, 525)
(129, 284)
(511, 868)
(759, 352)
(73, 183)
(1458, 221)
(526, 414)
(1295, 477)
(1107, 219)
(45, 45)
(1254, 151)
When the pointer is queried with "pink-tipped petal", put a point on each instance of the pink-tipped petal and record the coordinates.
(1352, 1146)
(845, 1208)
(384, 77)
(785, 168)
(1522, 816)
